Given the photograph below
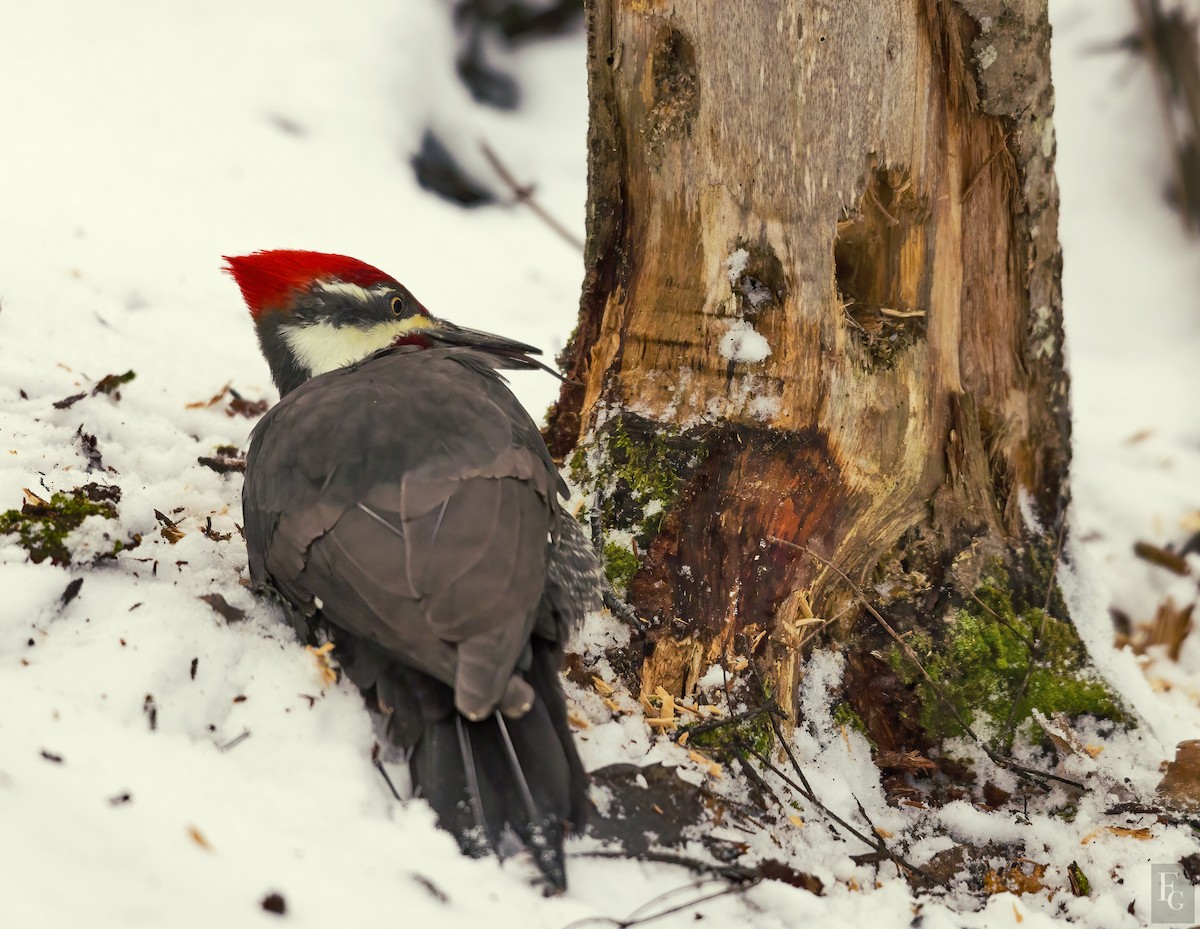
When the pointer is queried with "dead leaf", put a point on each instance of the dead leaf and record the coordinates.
(110, 383)
(1015, 879)
(240, 406)
(211, 401)
(67, 402)
(169, 531)
(229, 612)
(1170, 627)
(1180, 787)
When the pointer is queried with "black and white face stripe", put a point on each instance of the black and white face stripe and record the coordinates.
(335, 324)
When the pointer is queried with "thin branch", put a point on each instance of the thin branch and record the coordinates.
(235, 741)
(1035, 652)
(635, 920)
(735, 873)
(524, 194)
(701, 728)
(875, 842)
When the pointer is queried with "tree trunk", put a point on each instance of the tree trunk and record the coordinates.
(821, 331)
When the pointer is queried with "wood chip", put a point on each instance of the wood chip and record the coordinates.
(602, 687)
(704, 761)
(1164, 558)
(1141, 834)
(612, 705)
(32, 499)
(662, 722)
(577, 721)
(321, 654)
(666, 702)
(796, 821)
(1126, 832)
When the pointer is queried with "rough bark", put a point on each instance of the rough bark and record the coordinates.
(869, 187)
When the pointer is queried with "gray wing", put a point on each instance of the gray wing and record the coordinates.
(410, 500)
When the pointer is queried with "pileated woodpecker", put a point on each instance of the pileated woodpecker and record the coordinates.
(401, 503)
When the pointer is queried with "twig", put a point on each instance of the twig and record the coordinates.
(387, 779)
(617, 606)
(877, 843)
(735, 873)
(1142, 809)
(1035, 651)
(891, 220)
(524, 194)
(635, 920)
(235, 741)
(1010, 764)
(701, 728)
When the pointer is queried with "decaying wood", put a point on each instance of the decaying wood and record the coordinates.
(868, 186)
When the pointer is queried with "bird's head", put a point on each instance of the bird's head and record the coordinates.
(316, 312)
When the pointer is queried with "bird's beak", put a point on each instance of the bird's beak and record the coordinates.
(446, 333)
(509, 352)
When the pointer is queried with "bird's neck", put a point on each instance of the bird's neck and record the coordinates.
(287, 371)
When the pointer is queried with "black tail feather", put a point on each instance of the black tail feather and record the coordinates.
(486, 778)
(479, 835)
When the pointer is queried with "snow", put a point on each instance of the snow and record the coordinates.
(142, 142)
(735, 264)
(742, 344)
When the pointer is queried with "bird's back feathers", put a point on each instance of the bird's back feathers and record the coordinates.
(409, 504)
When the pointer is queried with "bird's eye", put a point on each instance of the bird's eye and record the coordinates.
(397, 306)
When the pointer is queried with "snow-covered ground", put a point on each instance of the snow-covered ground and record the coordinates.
(141, 142)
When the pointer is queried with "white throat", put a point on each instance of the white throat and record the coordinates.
(323, 347)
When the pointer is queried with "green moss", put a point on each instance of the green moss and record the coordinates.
(581, 475)
(620, 564)
(42, 526)
(641, 470)
(986, 655)
(730, 739)
(844, 715)
(637, 469)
